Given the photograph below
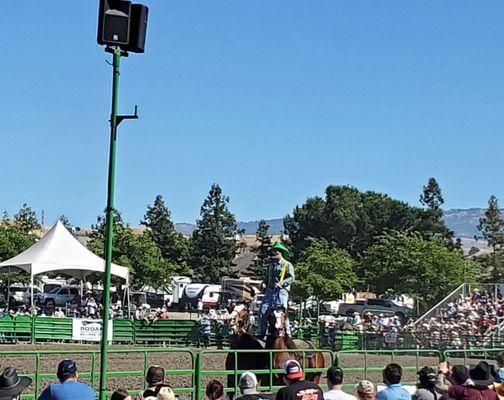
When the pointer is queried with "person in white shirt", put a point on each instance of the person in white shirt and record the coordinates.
(334, 383)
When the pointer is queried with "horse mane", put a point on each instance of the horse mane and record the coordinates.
(245, 341)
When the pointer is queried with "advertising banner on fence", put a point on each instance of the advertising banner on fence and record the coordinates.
(89, 330)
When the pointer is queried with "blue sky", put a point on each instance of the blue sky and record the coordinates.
(272, 100)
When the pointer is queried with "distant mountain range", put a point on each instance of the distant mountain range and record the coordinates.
(462, 222)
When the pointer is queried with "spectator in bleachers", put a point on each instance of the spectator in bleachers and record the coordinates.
(214, 390)
(68, 388)
(392, 375)
(11, 385)
(120, 394)
(156, 384)
(426, 385)
(334, 383)
(365, 390)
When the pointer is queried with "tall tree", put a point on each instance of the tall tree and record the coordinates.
(323, 271)
(258, 268)
(173, 245)
(213, 241)
(431, 224)
(409, 264)
(491, 227)
(26, 219)
(137, 252)
(13, 239)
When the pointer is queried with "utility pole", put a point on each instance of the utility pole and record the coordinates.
(122, 27)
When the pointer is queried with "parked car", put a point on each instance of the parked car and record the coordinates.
(376, 306)
(58, 297)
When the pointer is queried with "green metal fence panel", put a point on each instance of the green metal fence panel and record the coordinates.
(471, 356)
(7, 329)
(52, 329)
(204, 372)
(119, 367)
(170, 332)
(23, 328)
(123, 331)
(369, 364)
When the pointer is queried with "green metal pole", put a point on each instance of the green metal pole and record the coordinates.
(109, 225)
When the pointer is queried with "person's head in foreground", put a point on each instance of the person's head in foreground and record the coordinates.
(67, 370)
(120, 394)
(334, 377)
(248, 383)
(293, 371)
(365, 390)
(155, 375)
(214, 390)
(481, 374)
(11, 385)
(392, 374)
(426, 378)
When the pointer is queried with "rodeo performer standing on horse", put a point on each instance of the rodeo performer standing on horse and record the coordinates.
(280, 276)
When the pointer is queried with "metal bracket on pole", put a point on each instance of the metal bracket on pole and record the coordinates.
(120, 118)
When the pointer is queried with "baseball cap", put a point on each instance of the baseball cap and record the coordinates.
(365, 388)
(248, 382)
(66, 368)
(293, 369)
(155, 374)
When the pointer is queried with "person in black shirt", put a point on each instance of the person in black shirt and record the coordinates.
(297, 388)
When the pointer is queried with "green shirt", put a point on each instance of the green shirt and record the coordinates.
(275, 273)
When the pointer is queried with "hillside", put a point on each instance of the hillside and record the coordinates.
(461, 221)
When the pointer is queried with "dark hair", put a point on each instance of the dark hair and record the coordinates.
(214, 390)
(392, 373)
(460, 374)
(335, 375)
(155, 374)
(427, 380)
(119, 394)
(500, 359)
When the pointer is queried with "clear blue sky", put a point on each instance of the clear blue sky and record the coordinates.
(273, 100)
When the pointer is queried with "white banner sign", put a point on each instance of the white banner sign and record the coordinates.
(89, 330)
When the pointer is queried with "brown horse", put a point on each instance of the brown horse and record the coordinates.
(278, 339)
(242, 339)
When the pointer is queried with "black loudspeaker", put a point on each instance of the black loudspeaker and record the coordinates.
(138, 28)
(114, 22)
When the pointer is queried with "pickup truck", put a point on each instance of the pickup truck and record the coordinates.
(376, 306)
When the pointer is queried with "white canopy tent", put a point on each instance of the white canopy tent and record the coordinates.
(59, 251)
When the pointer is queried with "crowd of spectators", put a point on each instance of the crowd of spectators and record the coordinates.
(482, 381)
(468, 321)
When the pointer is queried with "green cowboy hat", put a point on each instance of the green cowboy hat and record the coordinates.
(281, 248)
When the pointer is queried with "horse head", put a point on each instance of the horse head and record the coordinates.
(276, 322)
(239, 319)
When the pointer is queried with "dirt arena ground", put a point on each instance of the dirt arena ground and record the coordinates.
(127, 365)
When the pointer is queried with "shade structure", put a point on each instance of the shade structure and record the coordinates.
(59, 251)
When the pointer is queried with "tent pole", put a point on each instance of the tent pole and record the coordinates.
(8, 289)
(31, 290)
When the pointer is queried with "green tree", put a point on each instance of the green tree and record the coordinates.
(491, 227)
(26, 219)
(13, 239)
(409, 264)
(258, 268)
(431, 224)
(347, 218)
(213, 241)
(137, 252)
(173, 245)
(323, 271)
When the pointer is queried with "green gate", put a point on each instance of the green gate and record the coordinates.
(204, 373)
